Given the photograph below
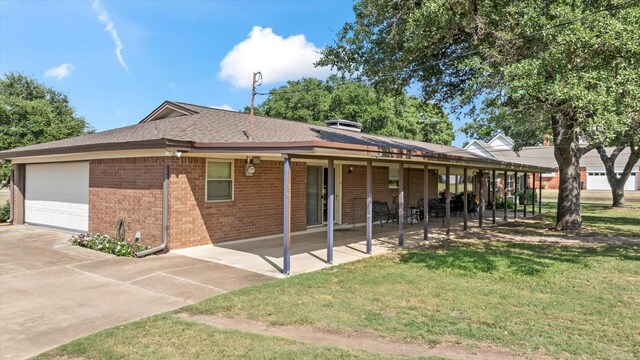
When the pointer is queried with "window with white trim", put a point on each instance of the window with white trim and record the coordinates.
(219, 180)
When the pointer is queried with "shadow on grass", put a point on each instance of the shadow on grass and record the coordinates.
(516, 258)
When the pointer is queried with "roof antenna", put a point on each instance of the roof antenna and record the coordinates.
(257, 77)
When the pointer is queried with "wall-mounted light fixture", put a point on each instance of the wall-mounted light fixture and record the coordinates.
(350, 170)
(173, 152)
(255, 160)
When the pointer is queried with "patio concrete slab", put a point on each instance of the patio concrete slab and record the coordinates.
(177, 287)
(309, 249)
(52, 292)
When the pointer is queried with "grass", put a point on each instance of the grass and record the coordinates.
(562, 301)
(599, 219)
(632, 198)
(168, 337)
(534, 299)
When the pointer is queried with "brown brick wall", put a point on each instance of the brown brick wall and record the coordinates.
(256, 210)
(129, 189)
(354, 190)
(551, 183)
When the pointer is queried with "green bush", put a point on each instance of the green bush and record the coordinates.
(500, 203)
(106, 244)
(5, 211)
(530, 196)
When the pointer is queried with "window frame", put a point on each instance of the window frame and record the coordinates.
(206, 180)
(397, 179)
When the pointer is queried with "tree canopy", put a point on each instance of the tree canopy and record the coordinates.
(32, 113)
(398, 115)
(567, 68)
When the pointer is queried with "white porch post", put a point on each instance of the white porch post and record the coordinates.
(369, 206)
(425, 201)
(401, 204)
(286, 239)
(465, 203)
(330, 205)
(448, 201)
(493, 190)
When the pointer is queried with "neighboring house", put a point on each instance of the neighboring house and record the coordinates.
(592, 172)
(189, 175)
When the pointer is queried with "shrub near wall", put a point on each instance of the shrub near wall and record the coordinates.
(107, 244)
(5, 212)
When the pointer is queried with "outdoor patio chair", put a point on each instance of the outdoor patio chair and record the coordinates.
(472, 209)
(382, 212)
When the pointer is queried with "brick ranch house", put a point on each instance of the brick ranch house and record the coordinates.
(188, 175)
(592, 172)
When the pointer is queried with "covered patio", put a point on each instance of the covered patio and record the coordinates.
(309, 248)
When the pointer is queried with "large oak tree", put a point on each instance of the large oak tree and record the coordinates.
(32, 113)
(559, 67)
(398, 115)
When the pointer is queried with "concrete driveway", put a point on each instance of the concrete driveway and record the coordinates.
(52, 292)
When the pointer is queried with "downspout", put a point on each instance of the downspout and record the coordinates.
(165, 217)
(10, 221)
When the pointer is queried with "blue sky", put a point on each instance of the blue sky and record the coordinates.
(118, 60)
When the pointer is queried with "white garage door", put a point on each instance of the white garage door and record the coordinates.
(57, 194)
(598, 181)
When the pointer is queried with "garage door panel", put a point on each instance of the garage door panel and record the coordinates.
(57, 194)
(597, 180)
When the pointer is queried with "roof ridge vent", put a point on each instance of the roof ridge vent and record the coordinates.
(344, 124)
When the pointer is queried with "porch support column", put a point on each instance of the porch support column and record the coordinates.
(369, 205)
(447, 204)
(504, 195)
(330, 204)
(524, 200)
(515, 197)
(425, 201)
(286, 240)
(401, 204)
(540, 196)
(533, 192)
(493, 191)
(19, 179)
(481, 198)
(465, 201)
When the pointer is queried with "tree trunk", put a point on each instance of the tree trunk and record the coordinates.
(618, 195)
(609, 161)
(568, 216)
(567, 153)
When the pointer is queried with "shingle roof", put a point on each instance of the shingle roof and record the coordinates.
(544, 156)
(209, 126)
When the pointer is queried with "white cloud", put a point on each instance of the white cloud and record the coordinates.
(222, 107)
(104, 18)
(61, 71)
(278, 59)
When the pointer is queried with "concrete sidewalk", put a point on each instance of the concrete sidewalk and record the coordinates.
(52, 292)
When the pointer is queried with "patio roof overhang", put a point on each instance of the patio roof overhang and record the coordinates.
(317, 149)
(355, 152)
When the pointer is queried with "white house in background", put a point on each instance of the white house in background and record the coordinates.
(592, 172)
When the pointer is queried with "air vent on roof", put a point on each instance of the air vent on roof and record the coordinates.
(344, 124)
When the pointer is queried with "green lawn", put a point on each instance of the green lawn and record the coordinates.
(599, 219)
(559, 301)
(168, 337)
(533, 299)
(562, 301)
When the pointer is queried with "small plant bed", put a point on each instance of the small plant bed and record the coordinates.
(107, 244)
